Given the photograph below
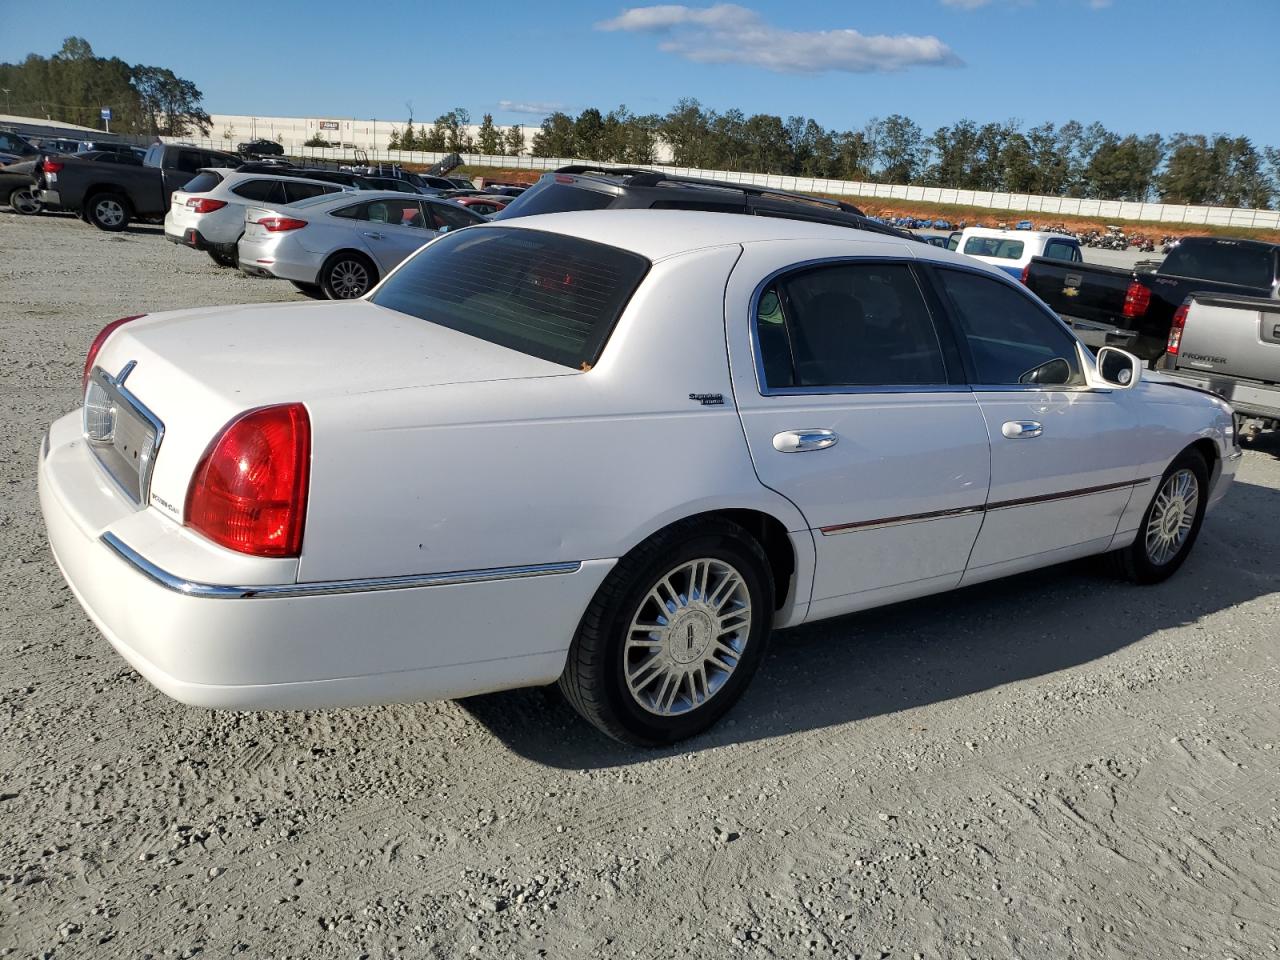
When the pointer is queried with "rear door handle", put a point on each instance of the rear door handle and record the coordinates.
(798, 441)
(372, 236)
(1022, 429)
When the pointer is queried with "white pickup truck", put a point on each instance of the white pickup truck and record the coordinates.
(1013, 250)
(1230, 346)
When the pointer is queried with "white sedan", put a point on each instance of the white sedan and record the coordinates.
(614, 449)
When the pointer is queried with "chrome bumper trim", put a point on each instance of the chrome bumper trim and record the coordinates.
(214, 591)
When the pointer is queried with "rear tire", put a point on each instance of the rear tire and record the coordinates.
(25, 201)
(348, 275)
(311, 290)
(706, 588)
(107, 211)
(1170, 524)
(223, 259)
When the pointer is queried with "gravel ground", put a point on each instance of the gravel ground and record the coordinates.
(1054, 766)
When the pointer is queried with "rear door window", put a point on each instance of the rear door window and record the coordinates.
(995, 247)
(189, 161)
(260, 191)
(855, 324)
(543, 294)
(295, 191)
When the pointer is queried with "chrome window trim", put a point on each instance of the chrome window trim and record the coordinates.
(318, 588)
(757, 354)
(142, 496)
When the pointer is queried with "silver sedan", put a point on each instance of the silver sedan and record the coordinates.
(340, 246)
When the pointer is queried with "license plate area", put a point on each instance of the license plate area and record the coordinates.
(122, 433)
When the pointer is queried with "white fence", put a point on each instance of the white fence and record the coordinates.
(1013, 202)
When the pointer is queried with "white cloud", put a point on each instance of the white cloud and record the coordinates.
(728, 33)
(537, 108)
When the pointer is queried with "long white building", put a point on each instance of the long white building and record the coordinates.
(368, 134)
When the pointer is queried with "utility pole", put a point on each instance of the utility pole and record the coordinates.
(7, 108)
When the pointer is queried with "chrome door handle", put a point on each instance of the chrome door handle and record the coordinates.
(798, 441)
(372, 236)
(1022, 429)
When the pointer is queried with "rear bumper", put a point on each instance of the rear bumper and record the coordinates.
(50, 198)
(363, 642)
(280, 259)
(1247, 397)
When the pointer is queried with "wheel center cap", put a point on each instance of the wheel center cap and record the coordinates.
(689, 636)
(1172, 519)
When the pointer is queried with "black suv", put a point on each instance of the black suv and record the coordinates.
(616, 188)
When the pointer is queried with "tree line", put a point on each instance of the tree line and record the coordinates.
(74, 84)
(1072, 159)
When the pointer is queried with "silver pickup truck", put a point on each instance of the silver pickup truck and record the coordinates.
(1231, 346)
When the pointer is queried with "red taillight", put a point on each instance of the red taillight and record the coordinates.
(277, 224)
(249, 491)
(52, 166)
(1175, 331)
(1026, 272)
(205, 205)
(98, 341)
(1136, 300)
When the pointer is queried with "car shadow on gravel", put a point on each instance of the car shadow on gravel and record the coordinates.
(937, 648)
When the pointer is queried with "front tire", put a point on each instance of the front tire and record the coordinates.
(107, 211)
(347, 276)
(674, 634)
(1171, 523)
(25, 201)
(222, 258)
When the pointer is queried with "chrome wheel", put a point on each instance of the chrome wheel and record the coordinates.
(109, 212)
(1172, 516)
(687, 637)
(349, 279)
(26, 201)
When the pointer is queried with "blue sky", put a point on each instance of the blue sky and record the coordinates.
(1136, 65)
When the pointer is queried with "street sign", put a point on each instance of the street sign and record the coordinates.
(106, 113)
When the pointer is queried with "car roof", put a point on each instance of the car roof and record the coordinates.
(659, 234)
(1012, 234)
(359, 196)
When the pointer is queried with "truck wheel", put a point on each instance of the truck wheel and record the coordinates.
(674, 634)
(26, 201)
(107, 211)
(347, 275)
(1171, 524)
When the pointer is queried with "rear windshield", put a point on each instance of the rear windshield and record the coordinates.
(544, 294)
(993, 247)
(202, 182)
(1223, 261)
(552, 197)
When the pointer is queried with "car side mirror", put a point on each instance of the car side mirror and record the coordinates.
(1051, 373)
(1119, 368)
(444, 229)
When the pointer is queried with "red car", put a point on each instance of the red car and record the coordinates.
(486, 206)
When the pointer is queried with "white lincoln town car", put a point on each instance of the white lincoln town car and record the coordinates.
(610, 448)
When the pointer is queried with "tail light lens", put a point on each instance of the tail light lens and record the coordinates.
(1136, 300)
(52, 166)
(205, 205)
(249, 491)
(1175, 331)
(1026, 272)
(103, 335)
(279, 224)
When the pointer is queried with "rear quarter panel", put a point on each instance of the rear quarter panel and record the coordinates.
(574, 467)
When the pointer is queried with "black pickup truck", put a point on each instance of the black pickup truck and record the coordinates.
(109, 195)
(1133, 309)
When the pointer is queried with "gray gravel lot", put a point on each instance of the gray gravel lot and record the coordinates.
(1055, 766)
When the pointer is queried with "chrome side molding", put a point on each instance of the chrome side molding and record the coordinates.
(214, 591)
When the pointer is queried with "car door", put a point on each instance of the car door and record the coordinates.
(1063, 455)
(394, 228)
(851, 402)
